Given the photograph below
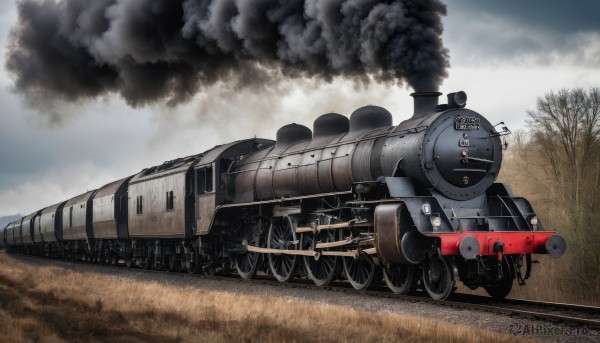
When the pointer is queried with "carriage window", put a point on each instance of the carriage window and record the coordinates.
(139, 205)
(204, 180)
(71, 216)
(169, 200)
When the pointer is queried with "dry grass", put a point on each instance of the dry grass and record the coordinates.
(51, 304)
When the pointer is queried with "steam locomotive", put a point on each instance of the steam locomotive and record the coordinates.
(413, 205)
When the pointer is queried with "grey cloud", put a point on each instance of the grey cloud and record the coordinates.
(558, 16)
(28, 148)
(491, 33)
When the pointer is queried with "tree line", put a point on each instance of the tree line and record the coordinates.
(555, 163)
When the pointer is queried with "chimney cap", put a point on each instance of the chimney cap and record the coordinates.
(419, 94)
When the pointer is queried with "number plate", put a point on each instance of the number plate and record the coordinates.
(466, 123)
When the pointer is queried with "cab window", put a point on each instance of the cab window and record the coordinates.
(204, 180)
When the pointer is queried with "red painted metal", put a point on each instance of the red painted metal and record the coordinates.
(515, 242)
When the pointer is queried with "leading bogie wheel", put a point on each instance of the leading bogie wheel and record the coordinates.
(437, 278)
(282, 235)
(503, 286)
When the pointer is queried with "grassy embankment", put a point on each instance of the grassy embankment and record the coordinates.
(51, 304)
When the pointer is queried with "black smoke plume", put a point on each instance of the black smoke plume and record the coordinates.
(156, 50)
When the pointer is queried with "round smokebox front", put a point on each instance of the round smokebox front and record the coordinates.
(465, 154)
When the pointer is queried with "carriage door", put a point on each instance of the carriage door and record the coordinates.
(205, 197)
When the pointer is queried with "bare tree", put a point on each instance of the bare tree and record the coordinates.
(556, 165)
(565, 128)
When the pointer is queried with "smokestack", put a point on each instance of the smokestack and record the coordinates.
(425, 103)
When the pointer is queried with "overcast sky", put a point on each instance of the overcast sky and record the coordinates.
(504, 54)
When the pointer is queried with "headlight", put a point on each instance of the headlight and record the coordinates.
(435, 222)
(426, 208)
(533, 220)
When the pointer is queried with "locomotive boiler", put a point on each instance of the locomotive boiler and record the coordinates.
(413, 205)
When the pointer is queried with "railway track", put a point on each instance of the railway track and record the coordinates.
(570, 314)
(587, 316)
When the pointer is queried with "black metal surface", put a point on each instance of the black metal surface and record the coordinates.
(366, 158)
(285, 176)
(341, 164)
(292, 133)
(428, 148)
(244, 179)
(325, 170)
(308, 177)
(452, 160)
(330, 124)
(556, 246)
(264, 175)
(414, 245)
(425, 103)
(369, 118)
(457, 100)
(242, 156)
(400, 187)
(331, 161)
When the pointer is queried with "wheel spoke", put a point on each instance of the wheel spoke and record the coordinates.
(437, 278)
(246, 263)
(321, 271)
(360, 273)
(501, 288)
(281, 233)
